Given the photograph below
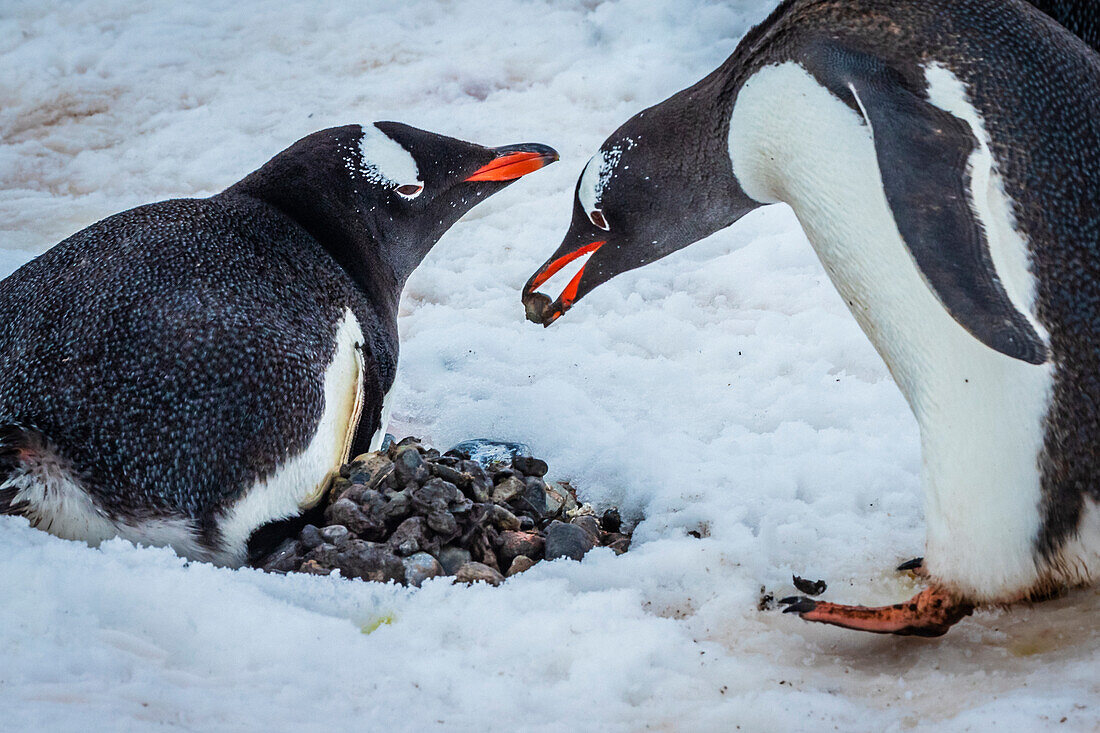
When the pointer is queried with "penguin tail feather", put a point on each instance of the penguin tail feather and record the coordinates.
(20, 445)
(7, 503)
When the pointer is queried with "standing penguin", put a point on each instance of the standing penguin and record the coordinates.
(187, 371)
(943, 157)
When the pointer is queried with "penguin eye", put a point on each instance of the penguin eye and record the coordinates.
(597, 218)
(410, 190)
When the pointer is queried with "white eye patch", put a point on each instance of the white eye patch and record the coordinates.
(592, 183)
(386, 162)
(597, 174)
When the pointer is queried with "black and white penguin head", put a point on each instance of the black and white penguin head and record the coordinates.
(652, 189)
(386, 192)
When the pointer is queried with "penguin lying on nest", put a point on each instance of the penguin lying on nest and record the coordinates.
(185, 372)
(943, 157)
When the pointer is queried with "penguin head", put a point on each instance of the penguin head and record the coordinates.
(654, 187)
(379, 196)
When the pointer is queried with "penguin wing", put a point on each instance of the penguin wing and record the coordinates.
(923, 156)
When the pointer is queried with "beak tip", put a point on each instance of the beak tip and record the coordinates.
(515, 161)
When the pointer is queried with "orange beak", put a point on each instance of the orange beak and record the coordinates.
(515, 161)
(546, 313)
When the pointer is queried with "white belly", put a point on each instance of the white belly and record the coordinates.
(980, 413)
(301, 481)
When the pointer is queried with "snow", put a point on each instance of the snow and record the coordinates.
(724, 391)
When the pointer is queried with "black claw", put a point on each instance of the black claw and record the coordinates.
(915, 564)
(809, 587)
(798, 604)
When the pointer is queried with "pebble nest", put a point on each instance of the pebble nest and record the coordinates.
(480, 512)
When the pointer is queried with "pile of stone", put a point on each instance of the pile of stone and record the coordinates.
(480, 512)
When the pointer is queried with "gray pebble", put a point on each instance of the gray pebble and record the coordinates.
(447, 473)
(487, 451)
(502, 473)
(286, 557)
(530, 466)
(370, 469)
(620, 543)
(398, 507)
(347, 513)
(335, 534)
(443, 522)
(452, 558)
(507, 489)
(475, 572)
(370, 561)
(519, 565)
(461, 508)
(502, 518)
(561, 489)
(589, 524)
(474, 469)
(478, 490)
(567, 540)
(420, 567)
(310, 537)
(411, 536)
(372, 502)
(323, 555)
(409, 465)
(535, 499)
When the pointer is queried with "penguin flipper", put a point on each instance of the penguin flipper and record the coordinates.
(923, 155)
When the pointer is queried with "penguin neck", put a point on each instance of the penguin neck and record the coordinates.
(401, 258)
(700, 118)
(332, 218)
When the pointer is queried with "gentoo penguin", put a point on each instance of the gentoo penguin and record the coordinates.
(943, 157)
(184, 372)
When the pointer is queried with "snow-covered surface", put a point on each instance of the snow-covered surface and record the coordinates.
(724, 390)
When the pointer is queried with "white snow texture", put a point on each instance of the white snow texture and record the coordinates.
(723, 391)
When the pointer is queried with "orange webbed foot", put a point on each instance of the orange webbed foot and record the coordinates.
(929, 613)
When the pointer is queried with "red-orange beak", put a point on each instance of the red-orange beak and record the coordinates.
(540, 309)
(515, 161)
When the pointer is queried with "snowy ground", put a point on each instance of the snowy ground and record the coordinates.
(724, 390)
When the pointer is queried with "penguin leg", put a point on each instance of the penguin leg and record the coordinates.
(929, 613)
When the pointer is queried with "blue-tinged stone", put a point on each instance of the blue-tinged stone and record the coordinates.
(488, 452)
